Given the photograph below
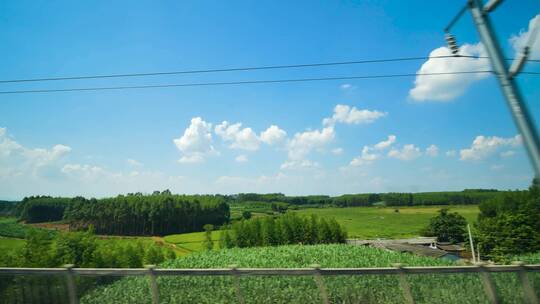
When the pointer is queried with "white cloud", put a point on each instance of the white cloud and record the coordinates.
(240, 138)
(409, 152)
(196, 142)
(365, 158)
(273, 135)
(44, 156)
(351, 115)
(133, 162)
(432, 151)
(299, 164)
(337, 151)
(19, 160)
(386, 143)
(241, 158)
(263, 183)
(448, 87)
(483, 146)
(246, 138)
(508, 153)
(520, 40)
(451, 153)
(194, 158)
(347, 87)
(85, 171)
(302, 143)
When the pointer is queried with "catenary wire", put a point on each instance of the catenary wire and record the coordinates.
(239, 69)
(237, 82)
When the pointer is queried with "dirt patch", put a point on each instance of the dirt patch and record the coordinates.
(51, 226)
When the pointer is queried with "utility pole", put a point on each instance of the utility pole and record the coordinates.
(471, 242)
(522, 118)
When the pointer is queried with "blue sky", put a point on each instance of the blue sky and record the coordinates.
(401, 134)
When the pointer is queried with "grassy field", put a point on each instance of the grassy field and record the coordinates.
(447, 288)
(361, 222)
(384, 222)
(191, 242)
(7, 244)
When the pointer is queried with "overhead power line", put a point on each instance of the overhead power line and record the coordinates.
(240, 69)
(197, 84)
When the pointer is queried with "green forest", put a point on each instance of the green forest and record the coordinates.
(465, 197)
(160, 213)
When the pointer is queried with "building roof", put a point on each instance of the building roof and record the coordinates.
(413, 241)
(415, 249)
(451, 247)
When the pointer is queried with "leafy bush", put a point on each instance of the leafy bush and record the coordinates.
(447, 227)
(82, 249)
(510, 224)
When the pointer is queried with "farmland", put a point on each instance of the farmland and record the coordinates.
(385, 222)
(360, 222)
(458, 288)
(191, 242)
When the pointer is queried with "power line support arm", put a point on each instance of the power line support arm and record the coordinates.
(508, 85)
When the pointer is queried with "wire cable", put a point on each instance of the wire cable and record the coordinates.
(239, 69)
(237, 82)
(456, 18)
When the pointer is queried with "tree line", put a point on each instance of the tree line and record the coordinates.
(287, 229)
(38, 209)
(156, 214)
(465, 197)
(507, 225)
(510, 224)
(8, 208)
(81, 249)
(160, 213)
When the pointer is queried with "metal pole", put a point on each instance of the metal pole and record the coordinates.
(489, 286)
(528, 291)
(515, 102)
(153, 283)
(236, 282)
(471, 242)
(405, 287)
(70, 281)
(320, 284)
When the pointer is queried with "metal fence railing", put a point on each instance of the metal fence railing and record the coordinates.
(485, 271)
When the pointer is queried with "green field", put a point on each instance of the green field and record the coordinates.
(10, 227)
(360, 222)
(7, 244)
(191, 242)
(384, 222)
(444, 288)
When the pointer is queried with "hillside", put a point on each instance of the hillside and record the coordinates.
(464, 288)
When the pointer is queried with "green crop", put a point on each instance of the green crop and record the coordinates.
(436, 288)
